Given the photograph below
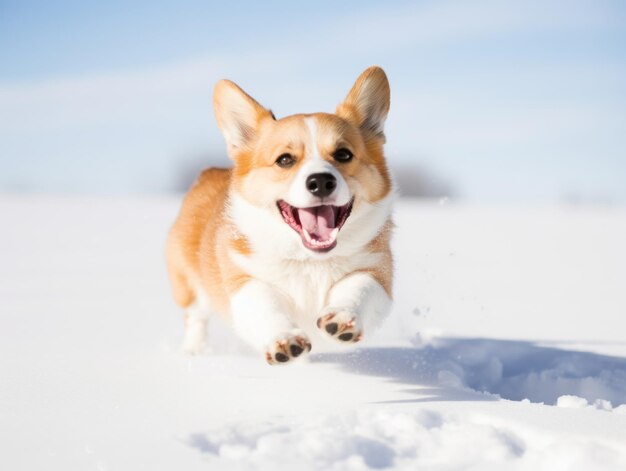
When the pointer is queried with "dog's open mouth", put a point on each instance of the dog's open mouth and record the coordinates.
(318, 226)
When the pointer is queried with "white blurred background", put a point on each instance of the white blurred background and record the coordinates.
(508, 102)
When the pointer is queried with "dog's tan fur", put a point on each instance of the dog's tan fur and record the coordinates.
(204, 237)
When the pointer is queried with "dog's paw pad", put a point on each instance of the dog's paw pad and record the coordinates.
(287, 348)
(332, 328)
(343, 326)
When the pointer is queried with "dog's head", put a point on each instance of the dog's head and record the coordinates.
(307, 180)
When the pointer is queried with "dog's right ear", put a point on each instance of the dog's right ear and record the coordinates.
(367, 104)
(238, 115)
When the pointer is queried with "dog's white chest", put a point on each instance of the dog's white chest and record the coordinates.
(305, 284)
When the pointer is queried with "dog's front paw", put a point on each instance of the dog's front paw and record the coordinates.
(287, 347)
(341, 325)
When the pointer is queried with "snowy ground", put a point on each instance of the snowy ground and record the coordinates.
(506, 350)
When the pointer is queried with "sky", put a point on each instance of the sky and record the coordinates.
(516, 102)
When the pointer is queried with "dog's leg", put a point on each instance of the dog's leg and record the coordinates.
(355, 304)
(196, 322)
(259, 314)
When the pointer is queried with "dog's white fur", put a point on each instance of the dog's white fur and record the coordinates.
(292, 288)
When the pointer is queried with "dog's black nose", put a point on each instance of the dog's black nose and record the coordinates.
(321, 184)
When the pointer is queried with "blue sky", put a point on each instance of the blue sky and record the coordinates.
(512, 102)
(57, 38)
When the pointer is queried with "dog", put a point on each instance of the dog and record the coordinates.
(293, 242)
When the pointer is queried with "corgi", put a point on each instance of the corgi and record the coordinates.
(291, 244)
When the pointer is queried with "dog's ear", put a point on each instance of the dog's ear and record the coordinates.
(367, 104)
(238, 115)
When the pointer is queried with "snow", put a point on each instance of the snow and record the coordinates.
(505, 350)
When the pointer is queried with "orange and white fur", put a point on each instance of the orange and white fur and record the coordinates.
(292, 243)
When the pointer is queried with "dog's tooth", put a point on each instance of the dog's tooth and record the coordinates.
(334, 233)
(307, 236)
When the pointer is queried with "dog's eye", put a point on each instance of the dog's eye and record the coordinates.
(285, 161)
(343, 155)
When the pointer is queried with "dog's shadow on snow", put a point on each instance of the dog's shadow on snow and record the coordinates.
(452, 369)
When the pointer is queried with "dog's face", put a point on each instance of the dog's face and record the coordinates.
(308, 175)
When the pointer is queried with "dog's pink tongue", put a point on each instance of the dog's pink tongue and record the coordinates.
(318, 221)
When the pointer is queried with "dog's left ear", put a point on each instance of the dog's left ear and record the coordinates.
(239, 116)
(367, 104)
